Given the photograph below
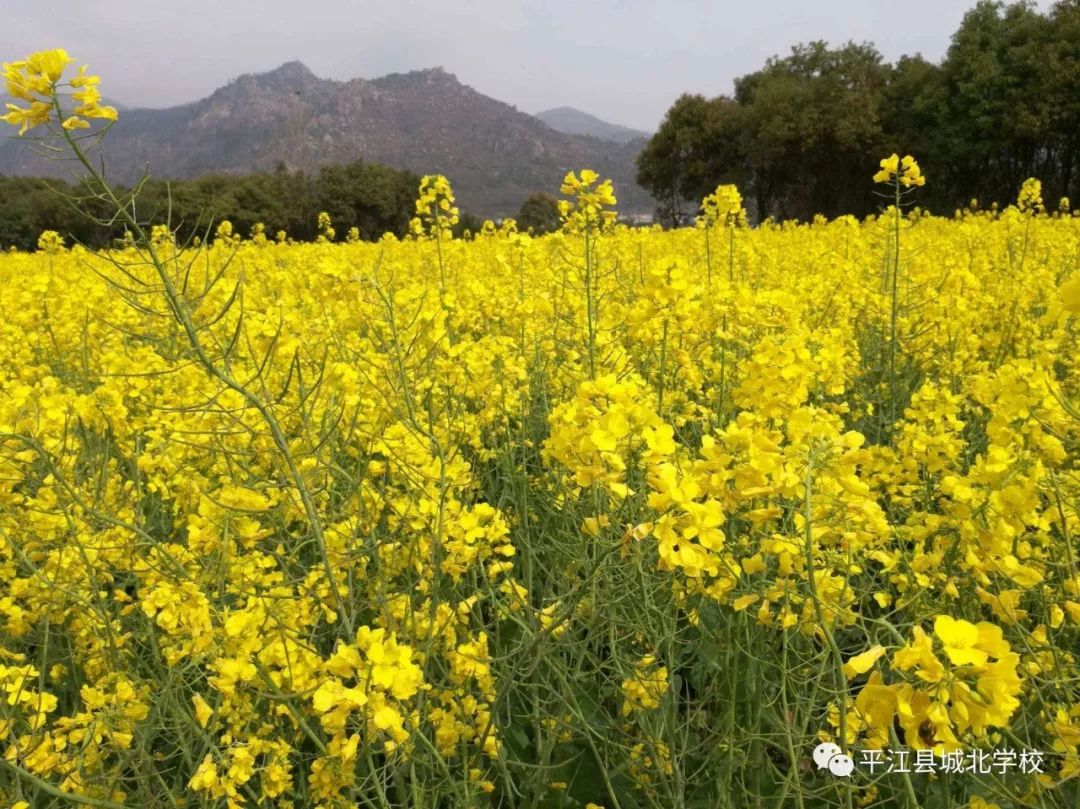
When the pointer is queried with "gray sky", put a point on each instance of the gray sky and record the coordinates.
(622, 60)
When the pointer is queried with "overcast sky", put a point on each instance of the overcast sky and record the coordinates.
(622, 60)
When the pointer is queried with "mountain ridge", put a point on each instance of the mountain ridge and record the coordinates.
(573, 121)
(425, 121)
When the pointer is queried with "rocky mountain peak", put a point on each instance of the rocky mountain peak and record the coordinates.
(294, 71)
(431, 77)
(424, 121)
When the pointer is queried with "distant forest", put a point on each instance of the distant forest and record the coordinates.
(370, 197)
(803, 135)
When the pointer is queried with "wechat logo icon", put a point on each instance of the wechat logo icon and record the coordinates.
(829, 756)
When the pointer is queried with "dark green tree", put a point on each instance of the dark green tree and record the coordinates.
(814, 125)
(373, 198)
(802, 134)
(468, 223)
(539, 214)
(370, 197)
(678, 160)
(993, 128)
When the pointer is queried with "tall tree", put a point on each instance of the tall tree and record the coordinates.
(802, 132)
(678, 159)
(994, 126)
(814, 120)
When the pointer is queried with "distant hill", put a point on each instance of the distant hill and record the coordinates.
(575, 122)
(425, 121)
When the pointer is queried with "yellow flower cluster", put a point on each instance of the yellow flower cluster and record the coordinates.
(325, 227)
(384, 673)
(37, 81)
(603, 429)
(590, 200)
(644, 690)
(389, 536)
(976, 688)
(905, 170)
(1030, 198)
(436, 212)
(723, 207)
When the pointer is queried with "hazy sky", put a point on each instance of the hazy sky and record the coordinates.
(622, 60)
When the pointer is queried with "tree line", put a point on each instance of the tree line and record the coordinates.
(374, 199)
(802, 135)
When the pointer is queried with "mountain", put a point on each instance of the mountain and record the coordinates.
(575, 122)
(424, 121)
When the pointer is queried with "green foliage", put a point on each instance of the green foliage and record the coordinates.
(800, 134)
(30, 206)
(698, 141)
(374, 199)
(539, 213)
(1006, 85)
